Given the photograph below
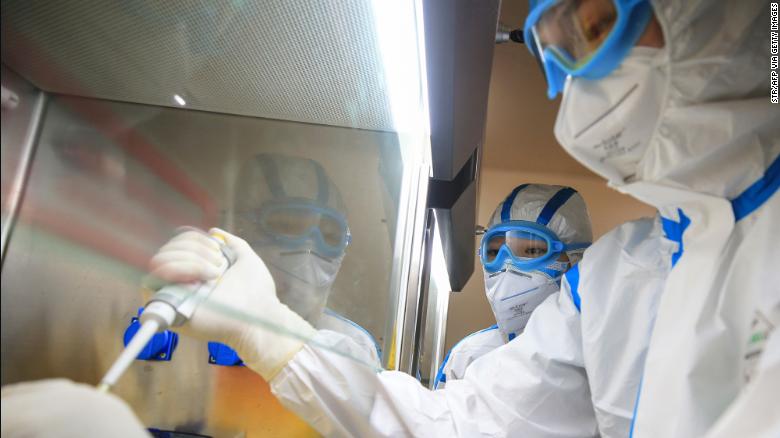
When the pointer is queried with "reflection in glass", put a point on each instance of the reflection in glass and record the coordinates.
(168, 114)
(293, 216)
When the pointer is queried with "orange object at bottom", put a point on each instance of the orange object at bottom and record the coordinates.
(243, 405)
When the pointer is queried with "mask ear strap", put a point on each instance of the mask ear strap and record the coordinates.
(575, 255)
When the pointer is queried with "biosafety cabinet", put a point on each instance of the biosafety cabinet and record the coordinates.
(122, 121)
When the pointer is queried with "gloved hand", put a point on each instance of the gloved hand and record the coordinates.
(61, 408)
(243, 310)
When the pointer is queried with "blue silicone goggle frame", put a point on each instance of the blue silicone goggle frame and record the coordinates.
(313, 234)
(554, 247)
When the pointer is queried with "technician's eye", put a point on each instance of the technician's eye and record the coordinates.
(596, 22)
(534, 252)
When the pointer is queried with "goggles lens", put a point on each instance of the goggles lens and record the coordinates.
(296, 222)
(290, 222)
(333, 231)
(573, 30)
(524, 245)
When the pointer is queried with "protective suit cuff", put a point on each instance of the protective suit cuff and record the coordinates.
(273, 350)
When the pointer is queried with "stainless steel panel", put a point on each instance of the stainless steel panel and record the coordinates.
(434, 325)
(21, 125)
(407, 265)
(459, 43)
(460, 39)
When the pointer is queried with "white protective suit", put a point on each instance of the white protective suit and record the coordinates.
(689, 300)
(465, 352)
(333, 321)
(712, 170)
(565, 214)
(578, 373)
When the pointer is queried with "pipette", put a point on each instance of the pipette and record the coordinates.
(171, 306)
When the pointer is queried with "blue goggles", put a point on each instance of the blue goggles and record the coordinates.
(526, 245)
(584, 38)
(298, 223)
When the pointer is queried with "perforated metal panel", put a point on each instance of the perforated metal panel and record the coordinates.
(299, 60)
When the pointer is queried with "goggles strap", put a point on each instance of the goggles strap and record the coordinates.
(271, 173)
(507, 207)
(555, 274)
(554, 204)
(322, 184)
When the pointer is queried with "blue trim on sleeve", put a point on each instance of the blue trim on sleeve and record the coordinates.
(674, 232)
(758, 193)
(357, 326)
(554, 204)
(440, 376)
(743, 205)
(573, 276)
(636, 405)
(507, 207)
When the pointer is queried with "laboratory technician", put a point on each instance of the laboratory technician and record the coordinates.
(519, 269)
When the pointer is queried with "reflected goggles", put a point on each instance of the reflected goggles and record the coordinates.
(526, 245)
(299, 223)
(587, 38)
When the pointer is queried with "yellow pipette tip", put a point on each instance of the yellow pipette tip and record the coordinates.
(219, 236)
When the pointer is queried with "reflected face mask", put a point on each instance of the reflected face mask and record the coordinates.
(514, 295)
(303, 278)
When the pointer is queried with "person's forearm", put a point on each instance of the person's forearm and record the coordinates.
(519, 389)
(344, 397)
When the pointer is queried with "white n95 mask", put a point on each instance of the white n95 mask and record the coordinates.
(514, 294)
(607, 124)
(303, 279)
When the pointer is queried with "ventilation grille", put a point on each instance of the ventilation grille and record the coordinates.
(315, 62)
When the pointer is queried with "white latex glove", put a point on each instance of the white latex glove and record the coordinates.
(243, 310)
(61, 408)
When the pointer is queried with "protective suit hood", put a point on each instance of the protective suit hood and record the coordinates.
(715, 121)
(303, 262)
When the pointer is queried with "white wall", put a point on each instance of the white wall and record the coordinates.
(469, 310)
